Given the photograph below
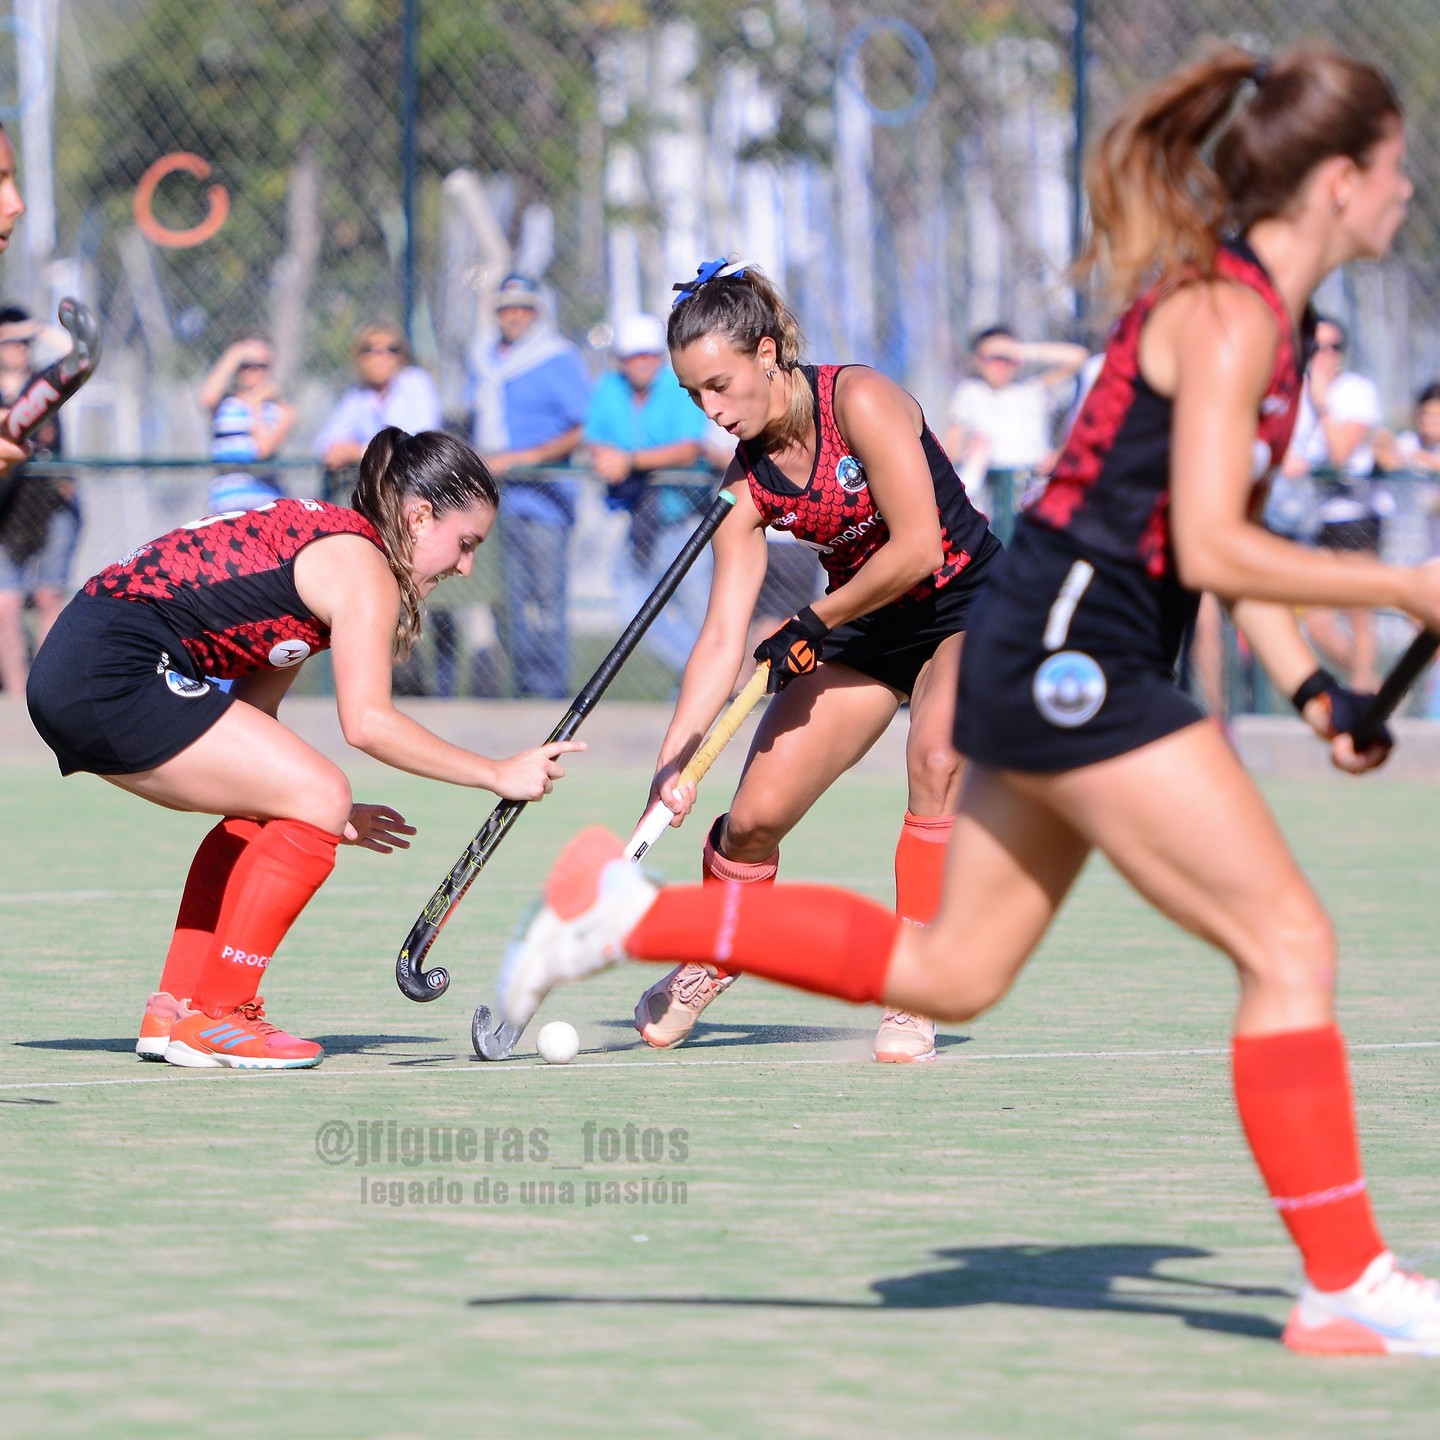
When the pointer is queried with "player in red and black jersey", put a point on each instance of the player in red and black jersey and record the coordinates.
(123, 687)
(1075, 731)
(842, 459)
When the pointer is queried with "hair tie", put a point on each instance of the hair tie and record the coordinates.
(721, 269)
(1260, 73)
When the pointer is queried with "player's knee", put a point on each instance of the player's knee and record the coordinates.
(325, 800)
(932, 768)
(1300, 951)
(749, 839)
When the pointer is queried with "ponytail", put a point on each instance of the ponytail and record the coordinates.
(430, 466)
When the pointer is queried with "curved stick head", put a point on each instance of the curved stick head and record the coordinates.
(78, 318)
(417, 984)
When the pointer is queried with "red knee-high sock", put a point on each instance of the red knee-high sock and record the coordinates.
(815, 937)
(715, 866)
(1293, 1093)
(271, 884)
(920, 866)
(200, 904)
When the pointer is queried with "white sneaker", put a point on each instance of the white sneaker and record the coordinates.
(904, 1038)
(593, 899)
(667, 1011)
(1387, 1311)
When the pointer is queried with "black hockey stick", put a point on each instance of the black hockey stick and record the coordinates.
(48, 389)
(1396, 685)
(421, 985)
(496, 1040)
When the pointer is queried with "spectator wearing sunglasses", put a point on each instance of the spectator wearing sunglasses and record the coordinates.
(249, 422)
(391, 390)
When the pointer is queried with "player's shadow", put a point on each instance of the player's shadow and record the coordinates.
(381, 1045)
(82, 1042)
(1103, 1279)
(715, 1035)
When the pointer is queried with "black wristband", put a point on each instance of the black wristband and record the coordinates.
(1319, 682)
(812, 625)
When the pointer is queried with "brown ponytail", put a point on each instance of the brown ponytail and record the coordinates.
(1159, 207)
(398, 467)
(745, 308)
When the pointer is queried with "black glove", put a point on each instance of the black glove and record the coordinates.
(794, 649)
(1346, 708)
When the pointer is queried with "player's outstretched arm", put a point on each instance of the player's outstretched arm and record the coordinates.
(345, 581)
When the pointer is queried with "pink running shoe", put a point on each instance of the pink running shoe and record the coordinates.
(594, 898)
(242, 1040)
(904, 1039)
(668, 1010)
(1387, 1311)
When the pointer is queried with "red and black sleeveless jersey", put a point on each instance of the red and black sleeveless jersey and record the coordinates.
(1111, 488)
(835, 513)
(226, 584)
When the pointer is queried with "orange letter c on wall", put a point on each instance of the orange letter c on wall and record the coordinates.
(152, 229)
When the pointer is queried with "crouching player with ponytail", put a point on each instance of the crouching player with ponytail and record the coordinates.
(1076, 734)
(841, 457)
(120, 689)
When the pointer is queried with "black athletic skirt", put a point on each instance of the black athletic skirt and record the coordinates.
(892, 644)
(1070, 661)
(113, 691)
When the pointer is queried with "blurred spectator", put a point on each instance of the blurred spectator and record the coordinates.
(1417, 450)
(1000, 422)
(39, 518)
(391, 391)
(249, 422)
(1333, 444)
(530, 389)
(641, 423)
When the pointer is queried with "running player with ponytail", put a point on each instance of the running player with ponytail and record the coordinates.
(842, 458)
(1076, 734)
(121, 689)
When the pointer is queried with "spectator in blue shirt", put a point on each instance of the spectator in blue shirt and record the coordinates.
(641, 423)
(392, 391)
(249, 422)
(530, 390)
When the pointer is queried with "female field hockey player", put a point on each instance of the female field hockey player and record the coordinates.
(841, 458)
(120, 689)
(1075, 732)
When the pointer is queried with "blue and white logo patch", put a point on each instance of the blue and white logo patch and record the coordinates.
(1069, 689)
(850, 473)
(184, 686)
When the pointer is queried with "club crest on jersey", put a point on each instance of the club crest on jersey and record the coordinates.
(288, 653)
(1069, 689)
(850, 473)
(184, 686)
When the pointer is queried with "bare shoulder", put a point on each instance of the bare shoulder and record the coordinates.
(1209, 328)
(339, 571)
(866, 398)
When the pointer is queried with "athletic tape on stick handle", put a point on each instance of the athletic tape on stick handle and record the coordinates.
(497, 1042)
(1396, 685)
(421, 985)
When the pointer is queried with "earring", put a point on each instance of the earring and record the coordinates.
(770, 375)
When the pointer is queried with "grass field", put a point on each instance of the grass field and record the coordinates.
(1054, 1231)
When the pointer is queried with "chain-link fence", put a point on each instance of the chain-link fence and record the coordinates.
(203, 171)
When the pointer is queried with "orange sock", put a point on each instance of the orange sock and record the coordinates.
(1293, 1093)
(200, 904)
(920, 866)
(273, 881)
(815, 937)
(715, 866)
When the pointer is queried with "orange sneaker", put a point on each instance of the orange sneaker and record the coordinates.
(161, 1013)
(242, 1040)
(904, 1039)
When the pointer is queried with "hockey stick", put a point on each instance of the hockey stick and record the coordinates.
(48, 389)
(1396, 685)
(497, 1042)
(422, 985)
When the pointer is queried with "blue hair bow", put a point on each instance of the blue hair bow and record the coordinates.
(710, 270)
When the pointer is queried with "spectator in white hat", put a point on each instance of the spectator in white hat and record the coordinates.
(640, 425)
